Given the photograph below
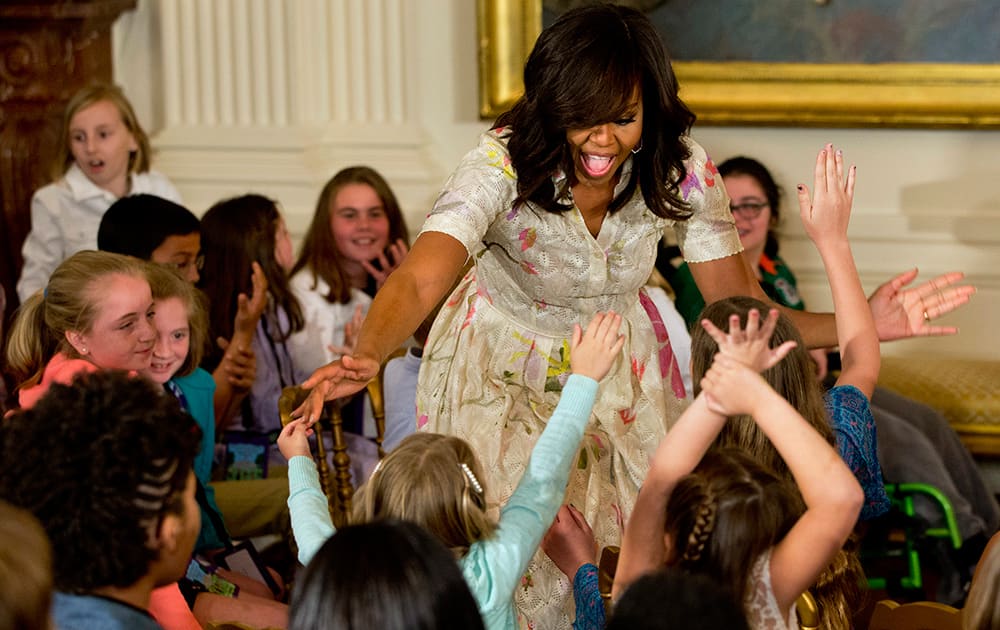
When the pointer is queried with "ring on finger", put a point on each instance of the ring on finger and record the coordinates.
(927, 317)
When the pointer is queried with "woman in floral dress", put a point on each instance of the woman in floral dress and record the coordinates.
(561, 207)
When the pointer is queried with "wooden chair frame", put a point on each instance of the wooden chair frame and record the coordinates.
(336, 484)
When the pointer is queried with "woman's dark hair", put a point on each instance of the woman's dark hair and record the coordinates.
(235, 233)
(99, 463)
(584, 71)
(390, 575)
(319, 248)
(672, 599)
(750, 167)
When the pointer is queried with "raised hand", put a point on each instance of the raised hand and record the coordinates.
(239, 363)
(292, 440)
(351, 332)
(570, 542)
(732, 387)
(825, 216)
(592, 353)
(388, 262)
(900, 311)
(249, 309)
(750, 345)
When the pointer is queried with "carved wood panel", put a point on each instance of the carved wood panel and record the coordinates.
(48, 51)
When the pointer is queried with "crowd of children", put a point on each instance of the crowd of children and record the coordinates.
(145, 442)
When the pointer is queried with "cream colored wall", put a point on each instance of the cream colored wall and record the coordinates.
(927, 198)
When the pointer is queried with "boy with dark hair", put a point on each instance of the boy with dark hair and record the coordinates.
(105, 465)
(153, 228)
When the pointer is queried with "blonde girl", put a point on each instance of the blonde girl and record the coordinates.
(105, 156)
(95, 312)
(437, 481)
(181, 324)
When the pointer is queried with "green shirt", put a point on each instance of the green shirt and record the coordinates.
(777, 281)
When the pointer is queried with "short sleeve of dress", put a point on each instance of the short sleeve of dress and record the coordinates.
(482, 188)
(710, 233)
(854, 427)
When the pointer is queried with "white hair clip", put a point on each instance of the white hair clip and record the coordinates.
(377, 468)
(472, 478)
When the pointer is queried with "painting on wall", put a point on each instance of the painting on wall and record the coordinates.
(832, 63)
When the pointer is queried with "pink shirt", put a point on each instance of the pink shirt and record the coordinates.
(61, 369)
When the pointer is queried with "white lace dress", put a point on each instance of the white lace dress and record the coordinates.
(498, 354)
(761, 606)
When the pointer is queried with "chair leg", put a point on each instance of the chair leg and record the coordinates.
(342, 471)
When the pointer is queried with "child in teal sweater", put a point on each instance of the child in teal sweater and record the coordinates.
(437, 481)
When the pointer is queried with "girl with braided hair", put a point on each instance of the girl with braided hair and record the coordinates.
(723, 514)
(736, 508)
(842, 415)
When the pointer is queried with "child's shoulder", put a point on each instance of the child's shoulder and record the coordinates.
(197, 379)
(155, 183)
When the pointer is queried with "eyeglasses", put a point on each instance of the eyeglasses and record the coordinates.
(749, 209)
(198, 263)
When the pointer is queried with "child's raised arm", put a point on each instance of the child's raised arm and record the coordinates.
(307, 505)
(832, 495)
(825, 217)
(532, 507)
(643, 545)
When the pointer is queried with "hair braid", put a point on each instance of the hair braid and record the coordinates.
(701, 530)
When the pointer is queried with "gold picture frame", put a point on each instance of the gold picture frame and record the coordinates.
(779, 94)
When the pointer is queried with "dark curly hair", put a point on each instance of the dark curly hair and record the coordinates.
(99, 463)
(583, 71)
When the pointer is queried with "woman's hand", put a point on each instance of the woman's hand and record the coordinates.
(343, 377)
(388, 262)
(901, 312)
(750, 346)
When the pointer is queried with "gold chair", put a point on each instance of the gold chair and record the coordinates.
(336, 484)
(890, 615)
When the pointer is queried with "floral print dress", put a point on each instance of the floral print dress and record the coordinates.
(498, 354)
